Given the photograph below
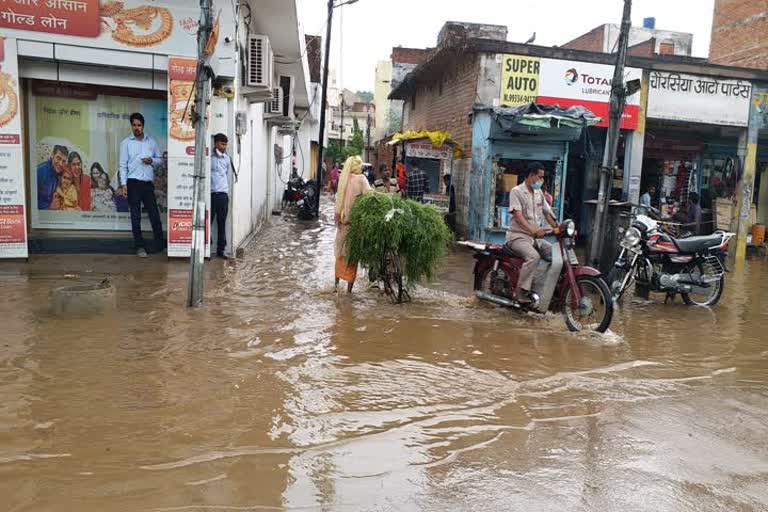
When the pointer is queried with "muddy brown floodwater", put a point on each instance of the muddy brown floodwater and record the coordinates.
(281, 395)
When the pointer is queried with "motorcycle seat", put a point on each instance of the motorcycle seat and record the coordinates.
(695, 244)
(509, 253)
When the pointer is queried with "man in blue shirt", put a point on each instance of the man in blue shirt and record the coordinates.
(220, 165)
(138, 156)
(645, 200)
(48, 174)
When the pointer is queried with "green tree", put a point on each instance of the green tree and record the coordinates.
(334, 151)
(357, 144)
(365, 96)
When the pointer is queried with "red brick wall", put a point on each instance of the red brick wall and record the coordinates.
(740, 33)
(592, 41)
(445, 104)
(409, 55)
(646, 49)
(384, 154)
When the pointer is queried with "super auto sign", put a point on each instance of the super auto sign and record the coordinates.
(527, 79)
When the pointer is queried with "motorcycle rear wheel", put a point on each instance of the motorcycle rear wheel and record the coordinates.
(704, 300)
(595, 290)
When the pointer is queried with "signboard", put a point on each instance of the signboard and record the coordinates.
(13, 223)
(66, 17)
(75, 133)
(697, 99)
(760, 108)
(139, 25)
(566, 83)
(427, 150)
(181, 159)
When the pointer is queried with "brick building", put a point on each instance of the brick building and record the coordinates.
(646, 40)
(389, 74)
(740, 33)
(463, 85)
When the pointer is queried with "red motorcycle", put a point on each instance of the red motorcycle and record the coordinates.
(562, 285)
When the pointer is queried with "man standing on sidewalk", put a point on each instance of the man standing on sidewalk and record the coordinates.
(220, 165)
(138, 154)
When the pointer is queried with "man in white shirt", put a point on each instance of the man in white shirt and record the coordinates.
(138, 156)
(220, 165)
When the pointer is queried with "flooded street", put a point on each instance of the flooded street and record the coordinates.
(281, 395)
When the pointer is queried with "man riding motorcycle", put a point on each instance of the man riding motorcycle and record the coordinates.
(525, 235)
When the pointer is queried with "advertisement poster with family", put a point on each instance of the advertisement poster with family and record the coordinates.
(75, 150)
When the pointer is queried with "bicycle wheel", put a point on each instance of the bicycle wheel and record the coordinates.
(393, 278)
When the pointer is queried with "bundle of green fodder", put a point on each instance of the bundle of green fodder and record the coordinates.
(413, 230)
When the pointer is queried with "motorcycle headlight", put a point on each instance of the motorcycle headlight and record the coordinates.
(570, 228)
(632, 237)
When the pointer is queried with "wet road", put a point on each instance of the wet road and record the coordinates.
(282, 395)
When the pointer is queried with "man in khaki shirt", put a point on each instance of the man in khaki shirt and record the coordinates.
(528, 209)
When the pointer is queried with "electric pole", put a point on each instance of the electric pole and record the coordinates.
(203, 87)
(341, 103)
(323, 104)
(617, 102)
(324, 95)
(368, 135)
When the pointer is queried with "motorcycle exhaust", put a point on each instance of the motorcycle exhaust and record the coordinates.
(501, 301)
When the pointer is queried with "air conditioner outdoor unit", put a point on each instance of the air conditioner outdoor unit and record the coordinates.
(258, 72)
(274, 107)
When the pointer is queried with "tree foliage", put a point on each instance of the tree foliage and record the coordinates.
(365, 96)
(354, 147)
(413, 230)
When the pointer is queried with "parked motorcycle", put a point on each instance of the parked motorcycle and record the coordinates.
(693, 267)
(562, 285)
(303, 195)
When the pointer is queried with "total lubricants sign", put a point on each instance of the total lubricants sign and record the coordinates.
(528, 79)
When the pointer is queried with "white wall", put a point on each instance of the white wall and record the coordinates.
(303, 150)
(250, 192)
(381, 93)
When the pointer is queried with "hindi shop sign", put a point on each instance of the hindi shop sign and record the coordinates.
(427, 150)
(13, 221)
(526, 79)
(66, 17)
(139, 25)
(697, 99)
(181, 160)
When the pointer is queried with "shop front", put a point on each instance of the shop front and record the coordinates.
(694, 148)
(517, 137)
(75, 72)
(568, 149)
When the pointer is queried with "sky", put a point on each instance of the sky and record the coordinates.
(365, 32)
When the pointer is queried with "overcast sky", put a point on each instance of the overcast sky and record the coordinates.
(372, 27)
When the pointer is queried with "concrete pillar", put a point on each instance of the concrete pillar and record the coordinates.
(637, 147)
(746, 189)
